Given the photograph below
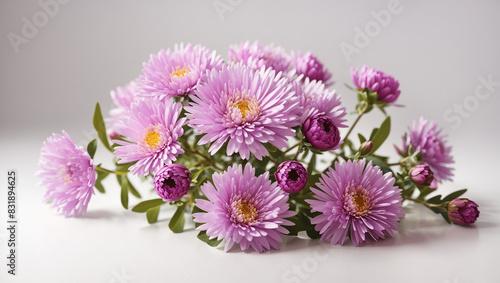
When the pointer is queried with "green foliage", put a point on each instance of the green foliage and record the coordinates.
(148, 204)
(100, 127)
(176, 224)
(381, 134)
(91, 148)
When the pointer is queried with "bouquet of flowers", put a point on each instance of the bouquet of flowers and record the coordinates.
(251, 150)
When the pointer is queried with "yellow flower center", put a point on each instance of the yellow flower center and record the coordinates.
(179, 72)
(243, 106)
(246, 212)
(152, 138)
(360, 202)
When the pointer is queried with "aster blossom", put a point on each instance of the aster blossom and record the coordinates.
(67, 170)
(309, 66)
(463, 211)
(357, 200)
(427, 138)
(386, 87)
(244, 209)
(172, 182)
(291, 176)
(257, 56)
(247, 108)
(178, 72)
(152, 129)
(122, 98)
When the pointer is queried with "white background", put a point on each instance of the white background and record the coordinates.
(437, 50)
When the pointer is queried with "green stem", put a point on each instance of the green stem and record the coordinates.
(206, 158)
(98, 168)
(422, 202)
(294, 146)
(356, 122)
(394, 164)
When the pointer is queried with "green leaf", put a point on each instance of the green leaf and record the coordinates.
(362, 139)
(382, 134)
(312, 180)
(435, 200)
(383, 166)
(100, 127)
(454, 195)
(211, 242)
(311, 165)
(299, 225)
(91, 148)
(131, 187)
(148, 204)
(176, 224)
(152, 214)
(100, 176)
(124, 192)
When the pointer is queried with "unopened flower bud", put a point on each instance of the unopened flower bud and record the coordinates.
(291, 176)
(321, 132)
(172, 182)
(366, 148)
(422, 175)
(463, 211)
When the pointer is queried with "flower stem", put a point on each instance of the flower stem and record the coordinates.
(292, 147)
(206, 158)
(100, 169)
(356, 122)
(422, 202)
(394, 164)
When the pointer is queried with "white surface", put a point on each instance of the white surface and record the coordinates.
(438, 52)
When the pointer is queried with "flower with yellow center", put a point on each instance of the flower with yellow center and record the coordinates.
(179, 72)
(242, 108)
(244, 212)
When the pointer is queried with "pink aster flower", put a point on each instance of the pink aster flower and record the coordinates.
(257, 56)
(316, 99)
(310, 67)
(463, 211)
(177, 73)
(427, 138)
(377, 81)
(247, 108)
(244, 209)
(122, 98)
(153, 129)
(358, 201)
(68, 173)
(172, 182)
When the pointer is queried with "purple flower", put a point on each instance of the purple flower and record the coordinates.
(422, 175)
(122, 98)
(172, 182)
(245, 108)
(291, 176)
(316, 99)
(257, 56)
(153, 129)
(244, 209)
(427, 139)
(68, 173)
(310, 67)
(463, 211)
(358, 201)
(177, 73)
(377, 81)
(321, 133)
(366, 148)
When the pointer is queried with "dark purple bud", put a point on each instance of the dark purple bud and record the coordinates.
(463, 211)
(321, 132)
(291, 176)
(366, 148)
(422, 175)
(172, 182)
